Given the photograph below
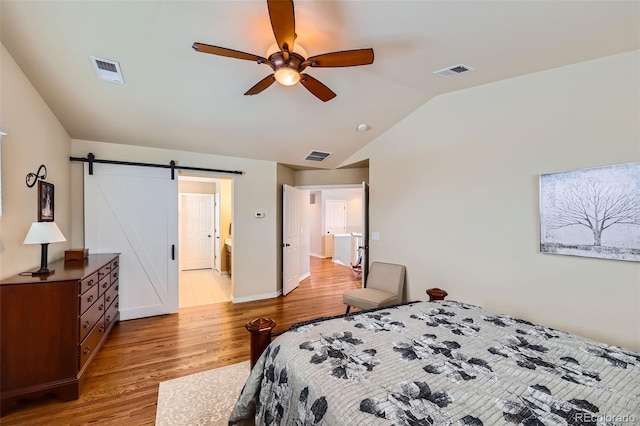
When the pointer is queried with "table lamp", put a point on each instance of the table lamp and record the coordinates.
(43, 233)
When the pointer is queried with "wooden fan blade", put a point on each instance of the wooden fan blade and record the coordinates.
(283, 22)
(345, 58)
(262, 85)
(318, 89)
(230, 53)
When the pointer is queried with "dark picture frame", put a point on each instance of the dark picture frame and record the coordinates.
(45, 201)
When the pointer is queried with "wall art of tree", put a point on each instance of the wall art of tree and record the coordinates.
(592, 212)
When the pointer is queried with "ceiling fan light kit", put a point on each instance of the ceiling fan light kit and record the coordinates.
(287, 60)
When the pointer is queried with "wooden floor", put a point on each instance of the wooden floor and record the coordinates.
(121, 385)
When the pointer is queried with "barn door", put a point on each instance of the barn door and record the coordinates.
(133, 210)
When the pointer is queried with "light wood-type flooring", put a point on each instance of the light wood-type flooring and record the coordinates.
(121, 384)
(203, 287)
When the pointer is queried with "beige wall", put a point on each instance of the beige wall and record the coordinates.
(454, 195)
(331, 177)
(195, 187)
(35, 137)
(254, 240)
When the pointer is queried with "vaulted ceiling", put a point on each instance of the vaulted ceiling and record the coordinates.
(176, 98)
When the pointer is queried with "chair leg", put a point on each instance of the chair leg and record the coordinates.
(348, 308)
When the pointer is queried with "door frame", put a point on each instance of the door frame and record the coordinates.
(365, 213)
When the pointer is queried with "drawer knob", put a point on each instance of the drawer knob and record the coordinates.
(87, 350)
(108, 318)
(101, 328)
(108, 299)
(90, 283)
(87, 324)
(101, 307)
(90, 298)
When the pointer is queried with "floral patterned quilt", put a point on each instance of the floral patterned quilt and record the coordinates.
(438, 363)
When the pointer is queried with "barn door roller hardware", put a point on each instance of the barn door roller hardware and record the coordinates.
(91, 159)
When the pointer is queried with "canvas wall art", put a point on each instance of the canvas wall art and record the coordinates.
(592, 212)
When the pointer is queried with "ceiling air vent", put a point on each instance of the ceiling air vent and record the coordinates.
(317, 156)
(454, 70)
(107, 70)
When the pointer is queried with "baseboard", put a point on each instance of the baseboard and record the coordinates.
(338, 262)
(307, 275)
(256, 297)
(318, 256)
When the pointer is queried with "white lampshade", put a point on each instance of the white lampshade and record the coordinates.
(44, 233)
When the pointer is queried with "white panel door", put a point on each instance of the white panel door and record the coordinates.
(196, 231)
(290, 238)
(133, 210)
(335, 216)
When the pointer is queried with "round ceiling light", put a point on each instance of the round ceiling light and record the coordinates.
(362, 127)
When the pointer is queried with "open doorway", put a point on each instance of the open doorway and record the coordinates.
(204, 244)
(333, 227)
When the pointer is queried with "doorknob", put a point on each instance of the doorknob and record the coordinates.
(209, 236)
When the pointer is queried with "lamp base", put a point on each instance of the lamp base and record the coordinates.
(43, 272)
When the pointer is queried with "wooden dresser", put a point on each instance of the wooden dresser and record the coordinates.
(52, 326)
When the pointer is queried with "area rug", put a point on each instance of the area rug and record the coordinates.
(205, 398)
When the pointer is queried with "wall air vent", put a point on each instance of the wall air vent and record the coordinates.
(107, 70)
(317, 156)
(454, 70)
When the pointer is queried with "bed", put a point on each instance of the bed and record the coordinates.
(438, 363)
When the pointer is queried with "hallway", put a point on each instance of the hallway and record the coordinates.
(203, 287)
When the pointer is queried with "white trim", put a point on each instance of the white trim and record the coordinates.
(343, 186)
(307, 275)
(256, 297)
(317, 255)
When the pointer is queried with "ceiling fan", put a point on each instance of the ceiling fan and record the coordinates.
(288, 60)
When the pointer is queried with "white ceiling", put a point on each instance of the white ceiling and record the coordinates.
(176, 98)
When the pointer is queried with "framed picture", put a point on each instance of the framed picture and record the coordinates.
(45, 201)
(592, 212)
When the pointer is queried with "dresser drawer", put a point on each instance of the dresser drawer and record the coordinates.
(114, 263)
(89, 282)
(115, 272)
(105, 283)
(88, 298)
(104, 275)
(112, 312)
(89, 344)
(111, 294)
(91, 317)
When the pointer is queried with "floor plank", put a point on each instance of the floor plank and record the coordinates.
(121, 384)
